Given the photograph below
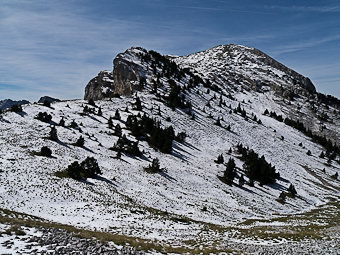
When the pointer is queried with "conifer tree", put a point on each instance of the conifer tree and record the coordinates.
(110, 123)
(117, 115)
(118, 130)
(229, 173)
(100, 113)
(241, 181)
(219, 159)
(62, 122)
(53, 134)
(80, 142)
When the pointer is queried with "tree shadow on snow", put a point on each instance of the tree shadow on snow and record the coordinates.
(166, 176)
(100, 178)
(86, 182)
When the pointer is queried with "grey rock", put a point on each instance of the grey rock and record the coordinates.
(128, 75)
(48, 99)
(8, 103)
(100, 87)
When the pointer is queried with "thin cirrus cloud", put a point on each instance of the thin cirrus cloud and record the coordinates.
(55, 47)
(58, 54)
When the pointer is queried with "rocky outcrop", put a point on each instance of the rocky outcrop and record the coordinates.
(8, 103)
(48, 99)
(100, 87)
(128, 75)
(298, 79)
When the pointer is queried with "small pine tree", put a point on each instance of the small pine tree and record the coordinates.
(45, 151)
(119, 154)
(266, 112)
(100, 113)
(53, 134)
(219, 159)
(80, 142)
(309, 153)
(138, 104)
(154, 167)
(91, 102)
(118, 130)
(282, 197)
(322, 155)
(73, 124)
(117, 115)
(218, 122)
(241, 181)
(74, 170)
(62, 122)
(229, 173)
(335, 176)
(90, 167)
(110, 123)
(292, 190)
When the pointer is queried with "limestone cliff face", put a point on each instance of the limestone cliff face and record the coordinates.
(100, 87)
(128, 73)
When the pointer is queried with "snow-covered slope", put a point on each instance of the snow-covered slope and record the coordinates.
(177, 204)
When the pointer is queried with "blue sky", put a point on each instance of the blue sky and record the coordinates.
(55, 47)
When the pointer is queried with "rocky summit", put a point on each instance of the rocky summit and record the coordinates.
(221, 151)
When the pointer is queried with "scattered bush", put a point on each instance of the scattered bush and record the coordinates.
(257, 168)
(80, 142)
(44, 117)
(45, 151)
(154, 167)
(87, 169)
(62, 122)
(53, 134)
(219, 159)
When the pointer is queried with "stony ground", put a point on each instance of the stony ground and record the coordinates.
(58, 241)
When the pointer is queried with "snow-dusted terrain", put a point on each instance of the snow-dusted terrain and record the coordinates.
(186, 203)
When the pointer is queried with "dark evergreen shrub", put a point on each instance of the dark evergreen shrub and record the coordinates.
(230, 172)
(154, 167)
(292, 190)
(241, 181)
(53, 134)
(45, 151)
(257, 168)
(90, 167)
(62, 122)
(110, 123)
(117, 115)
(80, 142)
(87, 169)
(180, 137)
(44, 117)
(73, 124)
(99, 113)
(91, 102)
(118, 131)
(219, 159)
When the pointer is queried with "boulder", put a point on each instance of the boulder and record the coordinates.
(100, 87)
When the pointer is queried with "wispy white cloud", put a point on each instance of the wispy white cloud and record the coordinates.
(294, 47)
(299, 8)
(56, 51)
